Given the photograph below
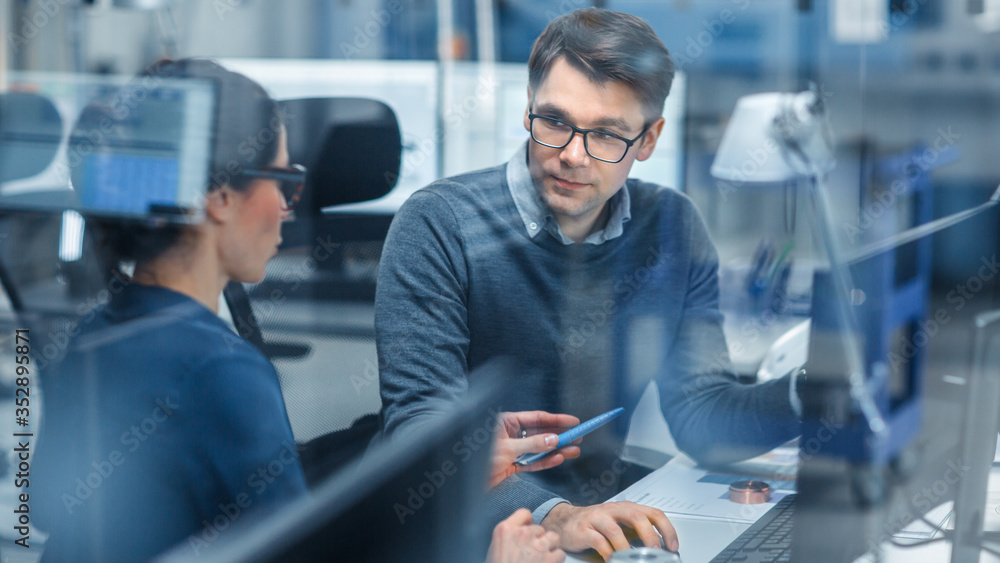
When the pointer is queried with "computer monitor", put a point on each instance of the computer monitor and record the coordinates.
(854, 445)
(420, 498)
(146, 155)
(981, 423)
(889, 303)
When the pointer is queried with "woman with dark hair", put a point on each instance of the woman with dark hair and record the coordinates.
(160, 423)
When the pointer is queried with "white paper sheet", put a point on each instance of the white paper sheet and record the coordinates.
(681, 489)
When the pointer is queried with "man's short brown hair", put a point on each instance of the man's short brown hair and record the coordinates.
(607, 45)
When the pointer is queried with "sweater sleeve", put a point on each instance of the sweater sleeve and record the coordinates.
(422, 332)
(421, 328)
(714, 418)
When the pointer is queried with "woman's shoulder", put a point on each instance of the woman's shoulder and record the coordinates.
(169, 315)
(219, 352)
(185, 337)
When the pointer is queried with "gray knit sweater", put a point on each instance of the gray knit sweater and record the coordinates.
(461, 282)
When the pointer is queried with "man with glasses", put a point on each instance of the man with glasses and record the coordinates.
(598, 284)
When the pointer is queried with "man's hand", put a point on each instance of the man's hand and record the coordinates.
(600, 526)
(517, 540)
(541, 429)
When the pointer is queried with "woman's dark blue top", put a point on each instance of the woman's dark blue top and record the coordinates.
(160, 426)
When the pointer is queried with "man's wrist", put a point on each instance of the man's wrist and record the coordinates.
(557, 516)
(539, 514)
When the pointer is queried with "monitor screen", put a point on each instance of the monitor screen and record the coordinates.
(981, 422)
(144, 154)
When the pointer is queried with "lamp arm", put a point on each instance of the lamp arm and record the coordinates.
(801, 128)
(840, 277)
(920, 231)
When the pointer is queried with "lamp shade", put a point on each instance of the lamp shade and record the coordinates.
(755, 146)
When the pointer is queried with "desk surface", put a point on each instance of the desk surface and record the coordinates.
(701, 540)
(943, 406)
(713, 537)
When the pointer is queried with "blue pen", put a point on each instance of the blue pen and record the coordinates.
(573, 434)
(757, 278)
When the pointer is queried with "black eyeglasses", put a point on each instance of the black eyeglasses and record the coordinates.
(599, 144)
(291, 180)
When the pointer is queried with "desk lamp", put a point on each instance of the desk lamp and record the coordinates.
(781, 137)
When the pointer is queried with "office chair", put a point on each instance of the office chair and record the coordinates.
(47, 284)
(313, 314)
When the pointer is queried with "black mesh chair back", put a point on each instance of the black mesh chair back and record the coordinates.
(313, 314)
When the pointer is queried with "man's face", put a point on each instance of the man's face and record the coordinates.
(573, 185)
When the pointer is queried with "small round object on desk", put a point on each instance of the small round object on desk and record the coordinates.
(644, 555)
(749, 492)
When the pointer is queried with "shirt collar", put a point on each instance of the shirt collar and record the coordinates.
(536, 216)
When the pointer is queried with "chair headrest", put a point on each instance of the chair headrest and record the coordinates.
(352, 147)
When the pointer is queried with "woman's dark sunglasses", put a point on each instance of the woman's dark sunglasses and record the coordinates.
(291, 180)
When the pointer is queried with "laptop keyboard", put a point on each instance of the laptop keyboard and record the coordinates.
(768, 539)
